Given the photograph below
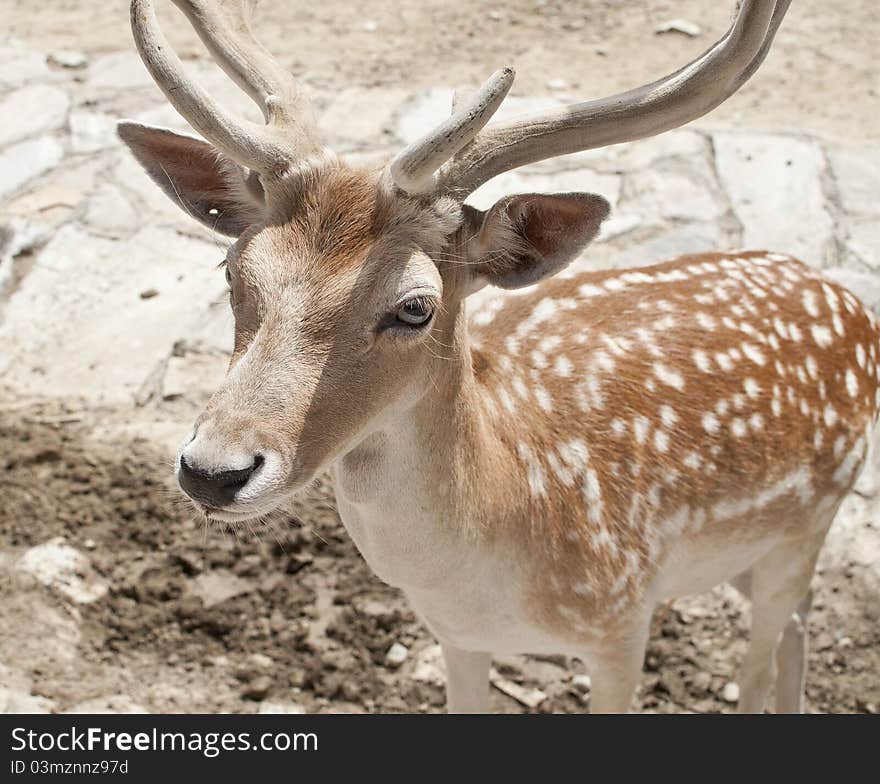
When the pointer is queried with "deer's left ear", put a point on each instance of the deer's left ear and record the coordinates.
(199, 178)
(525, 238)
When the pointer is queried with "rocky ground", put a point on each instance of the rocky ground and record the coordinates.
(114, 330)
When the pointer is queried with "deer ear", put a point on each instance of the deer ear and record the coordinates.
(199, 178)
(525, 238)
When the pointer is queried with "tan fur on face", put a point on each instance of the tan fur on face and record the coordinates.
(309, 371)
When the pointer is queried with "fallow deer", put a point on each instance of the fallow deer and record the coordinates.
(536, 478)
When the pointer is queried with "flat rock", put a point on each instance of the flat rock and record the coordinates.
(216, 587)
(775, 186)
(357, 118)
(856, 174)
(664, 244)
(428, 666)
(32, 111)
(528, 697)
(63, 189)
(17, 701)
(668, 193)
(64, 568)
(68, 58)
(110, 212)
(22, 162)
(118, 71)
(863, 241)
(686, 146)
(92, 131)
(20, 65)
(102, 339)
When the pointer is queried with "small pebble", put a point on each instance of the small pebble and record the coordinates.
(261, 660)
(679, 26)
(582, 683)
(557, 84)
(730, 692)
(68, 58)
(149, 293)
(396, 655)
(257, 689)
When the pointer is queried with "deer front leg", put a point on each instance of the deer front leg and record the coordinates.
(791, 659)
(616, 670)
(467, 680)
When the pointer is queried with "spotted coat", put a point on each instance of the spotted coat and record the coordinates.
(723, 396)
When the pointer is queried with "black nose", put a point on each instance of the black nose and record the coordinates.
(214, 488)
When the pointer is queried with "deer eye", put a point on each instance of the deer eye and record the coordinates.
(228, 275)
(415, 312)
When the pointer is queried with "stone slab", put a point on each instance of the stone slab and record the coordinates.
(775, 187)
(77, 326)
(32, 111)
(22, 162)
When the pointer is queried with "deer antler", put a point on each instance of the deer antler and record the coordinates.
(290, 131)
(413, 169)
(668, 103)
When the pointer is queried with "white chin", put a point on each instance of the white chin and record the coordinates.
(237, 516)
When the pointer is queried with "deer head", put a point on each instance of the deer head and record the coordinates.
(346, 284)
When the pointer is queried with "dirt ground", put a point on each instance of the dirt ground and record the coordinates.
(291, 615)
(822, 66)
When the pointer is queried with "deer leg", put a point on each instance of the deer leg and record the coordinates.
(791, 658)
(467, 680)
(780, 582)
(616, 672)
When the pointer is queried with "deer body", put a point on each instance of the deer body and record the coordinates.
(709, 423)
(538, 478)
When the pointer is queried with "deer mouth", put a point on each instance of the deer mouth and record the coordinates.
(231, 516)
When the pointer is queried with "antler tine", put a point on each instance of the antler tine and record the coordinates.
(667, 103)
(290, 130)
(224, 27)
(775, 21)
(412, 170)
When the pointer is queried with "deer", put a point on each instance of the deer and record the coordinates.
(536, 476)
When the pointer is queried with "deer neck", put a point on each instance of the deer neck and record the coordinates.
(417, 486)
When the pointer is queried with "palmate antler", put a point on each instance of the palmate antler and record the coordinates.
(463, 152)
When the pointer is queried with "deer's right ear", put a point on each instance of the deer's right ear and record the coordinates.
(199, 178)
(528, 237)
